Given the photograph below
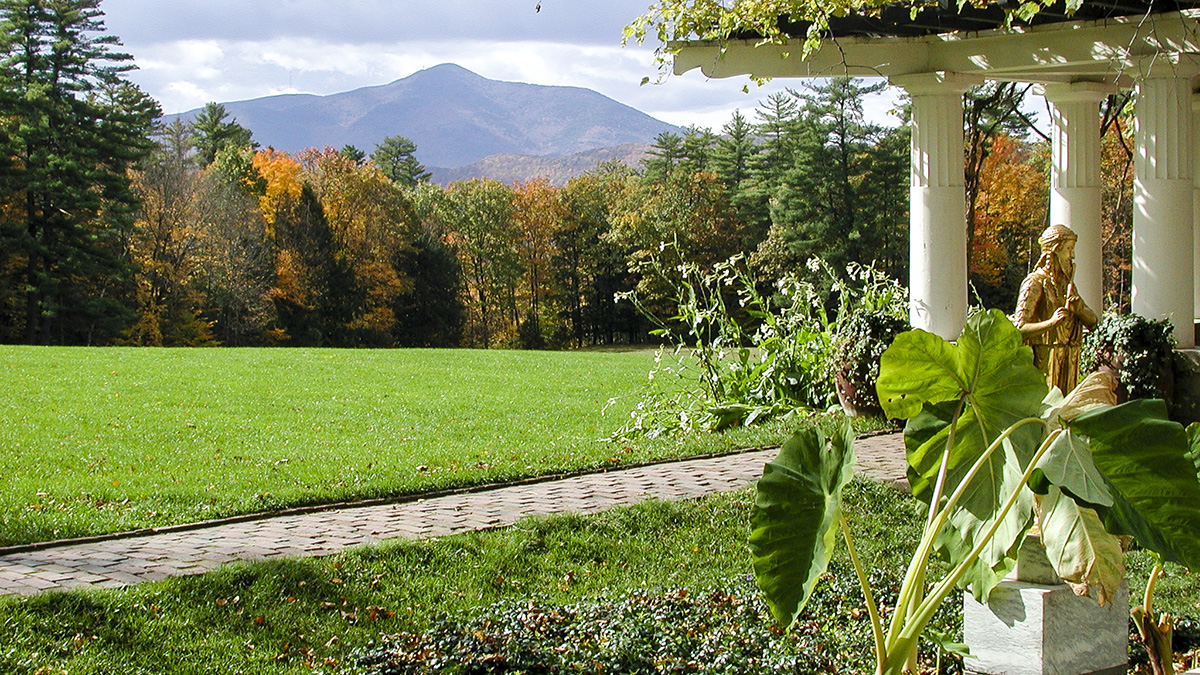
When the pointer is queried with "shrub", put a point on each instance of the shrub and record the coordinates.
(714, 630)
(735, 356)
(1137, 349)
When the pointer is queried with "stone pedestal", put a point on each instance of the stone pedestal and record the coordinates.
(1035, 625)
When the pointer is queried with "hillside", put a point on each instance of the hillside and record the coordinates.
(453, 115)
(558, 170)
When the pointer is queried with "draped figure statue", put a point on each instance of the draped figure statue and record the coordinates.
(1050, 313)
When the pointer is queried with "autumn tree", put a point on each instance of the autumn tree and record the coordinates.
(310, 277)
(991, 110)
(589, 266)
(237, 254)
(373, 225)
(434, 314)
(74, 126)
(165, 244)
(1011, 212)
(539, 216)
(1116, 172)
(479, 214)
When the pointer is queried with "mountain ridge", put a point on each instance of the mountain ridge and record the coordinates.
(455, 117)
(557, 170)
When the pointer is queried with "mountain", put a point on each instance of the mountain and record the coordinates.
(558, 170)
(453, 115)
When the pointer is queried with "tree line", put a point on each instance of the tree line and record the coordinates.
(116, 229)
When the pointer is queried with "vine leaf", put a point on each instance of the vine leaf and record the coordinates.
(795, 519)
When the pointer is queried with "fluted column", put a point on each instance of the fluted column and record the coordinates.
(937, 202)
(1196, 205)
(1163, 275)
(1076, 190)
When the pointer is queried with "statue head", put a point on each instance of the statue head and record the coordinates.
(1058, 244)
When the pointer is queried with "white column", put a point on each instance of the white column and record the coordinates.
(1196, 205)
(1163, 285)
(937, 203)
(1076, 191)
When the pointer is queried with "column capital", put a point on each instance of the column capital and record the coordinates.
(1171, 65)
(1076, 92)
(941, 82)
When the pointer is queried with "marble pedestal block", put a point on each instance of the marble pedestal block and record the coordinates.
(1035, 625)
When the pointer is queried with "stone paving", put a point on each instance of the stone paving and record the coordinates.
(128, 560)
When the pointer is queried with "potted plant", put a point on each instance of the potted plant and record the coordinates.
(1136, 350)
(857, 346)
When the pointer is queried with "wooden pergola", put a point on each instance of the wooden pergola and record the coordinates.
(1151, 47)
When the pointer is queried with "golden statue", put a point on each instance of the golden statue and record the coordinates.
(1050, 314)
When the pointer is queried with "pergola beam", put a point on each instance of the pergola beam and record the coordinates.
(1058, 52)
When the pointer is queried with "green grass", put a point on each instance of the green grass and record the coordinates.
(243, 618)
(104, 440)
(301, 615)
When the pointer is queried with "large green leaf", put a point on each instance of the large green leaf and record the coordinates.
(795, 518)
(979, 387)
(1151, 471)
(1068, 464)
(988, 364)
(1082, 553)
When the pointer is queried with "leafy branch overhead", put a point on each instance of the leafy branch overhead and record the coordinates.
(670, 22)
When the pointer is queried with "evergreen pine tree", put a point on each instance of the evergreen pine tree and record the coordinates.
(74, 126)
(699, 144)
(215, 132)
(735, 150)
(664, 155)
(396, 156)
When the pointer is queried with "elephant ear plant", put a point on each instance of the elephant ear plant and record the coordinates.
(988, 447)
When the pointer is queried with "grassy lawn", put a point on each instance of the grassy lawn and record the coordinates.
(104, 440)
(297, 615)
(323, 615)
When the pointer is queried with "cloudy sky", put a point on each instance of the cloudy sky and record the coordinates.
(190, 52)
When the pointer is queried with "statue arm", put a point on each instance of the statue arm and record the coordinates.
(1086, 315)
(1027, 301)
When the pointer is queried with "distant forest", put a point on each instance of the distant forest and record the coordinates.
(117, 230)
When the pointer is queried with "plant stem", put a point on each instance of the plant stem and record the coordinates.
(908, 603)
(944, 467)
(1151, 583)
(865, 582)
(914, 576)
(913, 628)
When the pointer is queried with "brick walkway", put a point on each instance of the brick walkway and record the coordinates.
(125, 561)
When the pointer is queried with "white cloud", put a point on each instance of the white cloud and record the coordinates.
(194, 51)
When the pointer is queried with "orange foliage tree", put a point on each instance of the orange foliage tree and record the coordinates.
(1116, 172)
(373, 225)
(1010, 212)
